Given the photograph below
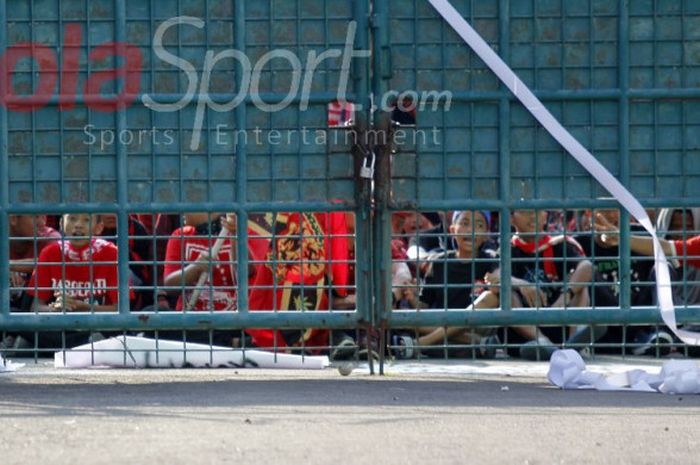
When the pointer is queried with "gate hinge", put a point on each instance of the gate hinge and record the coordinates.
(375, 20)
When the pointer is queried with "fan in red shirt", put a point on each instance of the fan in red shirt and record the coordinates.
(29, 234)
(305, 265)
(78, 273)
(690, 249)
(26, 233)
(188, 256)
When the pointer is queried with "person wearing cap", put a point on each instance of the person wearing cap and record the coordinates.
(454, 279)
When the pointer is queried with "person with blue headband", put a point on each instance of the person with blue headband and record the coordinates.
(453, 280)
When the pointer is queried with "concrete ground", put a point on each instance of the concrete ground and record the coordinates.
(483, 413)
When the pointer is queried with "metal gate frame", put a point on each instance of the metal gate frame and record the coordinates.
(504, 203)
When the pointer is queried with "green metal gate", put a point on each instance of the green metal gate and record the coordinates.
(622, 76)
(73, 143)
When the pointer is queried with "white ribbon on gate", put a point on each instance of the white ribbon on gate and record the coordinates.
(571, 145)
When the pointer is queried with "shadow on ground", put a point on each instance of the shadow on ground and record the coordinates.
(119, 398)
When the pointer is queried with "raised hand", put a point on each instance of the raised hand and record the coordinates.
(606, 232)
(229, 222)
(64, 301)
(493, 280)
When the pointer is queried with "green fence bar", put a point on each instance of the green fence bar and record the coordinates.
(4, 186)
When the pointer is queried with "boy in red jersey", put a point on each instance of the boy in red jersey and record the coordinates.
(79, 272)
(188, 256)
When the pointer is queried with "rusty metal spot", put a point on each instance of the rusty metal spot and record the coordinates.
(50, 192)
(77, 192)
(75, 167)
(106, 192)
(165, 194)
(24, 196)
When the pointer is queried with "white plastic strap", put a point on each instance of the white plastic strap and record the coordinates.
(223, 234)
(571, 145)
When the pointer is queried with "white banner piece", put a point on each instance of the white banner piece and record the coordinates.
(578, 151)
(141, 352)
(567, 370)
(8, 366)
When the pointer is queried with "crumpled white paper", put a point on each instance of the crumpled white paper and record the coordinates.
(141, 352)
(7, 366)
(567, 370)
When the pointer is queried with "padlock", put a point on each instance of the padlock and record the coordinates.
(367, 172)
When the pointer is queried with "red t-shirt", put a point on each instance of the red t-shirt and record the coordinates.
(24, 248)
(62, 266)
(692, 249)
(183, 249)
(309, 249)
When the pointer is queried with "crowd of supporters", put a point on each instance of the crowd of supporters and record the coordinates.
(305, 262)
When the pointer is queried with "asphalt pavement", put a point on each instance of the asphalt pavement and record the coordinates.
(500, 412)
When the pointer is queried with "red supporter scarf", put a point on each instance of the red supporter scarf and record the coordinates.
(545, 248)
(84, 254)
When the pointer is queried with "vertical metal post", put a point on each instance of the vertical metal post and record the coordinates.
(4, 182)
(363, 213)
(624, 121)
(122, 173)
(381, 59)
(504, 156)
(382, 226)
(241, 162)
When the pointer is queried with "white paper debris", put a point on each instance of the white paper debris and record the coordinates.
(140, 352)
(567, 370)
(7, 366)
